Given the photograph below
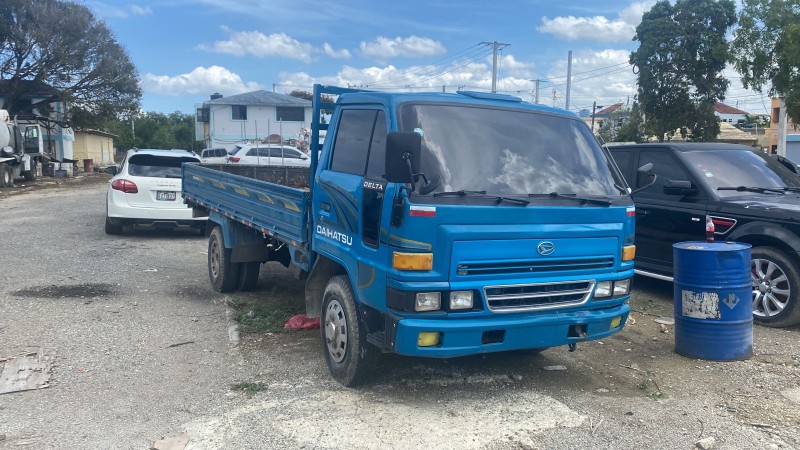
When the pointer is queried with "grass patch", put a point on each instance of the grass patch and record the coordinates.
(257, 316)
(249, 389)
(651, 388)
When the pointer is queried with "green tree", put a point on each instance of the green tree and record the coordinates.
(766, 49)
(58, 47)
(682, 51)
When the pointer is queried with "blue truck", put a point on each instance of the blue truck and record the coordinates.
(432, 224)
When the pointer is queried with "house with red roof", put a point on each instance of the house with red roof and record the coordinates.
(727, 113)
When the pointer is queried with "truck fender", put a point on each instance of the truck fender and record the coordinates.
(246, 244)
(324, 268)
(762, 233)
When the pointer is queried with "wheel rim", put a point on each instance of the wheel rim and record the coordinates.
(336, 330)
(771, 289)
(215, 258)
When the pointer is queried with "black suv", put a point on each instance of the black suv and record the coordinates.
(750, 197)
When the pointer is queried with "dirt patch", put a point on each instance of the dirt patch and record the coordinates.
(50, 183)
(68, 291)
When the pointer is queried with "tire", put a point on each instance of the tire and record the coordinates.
(248, 275)
(31, 174)
(112, 228)
(6, 176)
(221, 271)
(776, 287)
(351, 360)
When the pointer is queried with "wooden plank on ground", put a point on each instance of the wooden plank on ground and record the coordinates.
(25, 372)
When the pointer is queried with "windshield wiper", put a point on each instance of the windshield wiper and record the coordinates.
(521, 201)
(759, 190)
(461, 193)
(582, 200)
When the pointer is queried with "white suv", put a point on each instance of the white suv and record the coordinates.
(146, 190)
(213, 156)
(268, 155)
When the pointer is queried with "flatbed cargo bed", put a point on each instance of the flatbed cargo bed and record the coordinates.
(272, 200)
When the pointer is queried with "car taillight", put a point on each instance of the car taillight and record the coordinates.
(233, 159)
(126, 186)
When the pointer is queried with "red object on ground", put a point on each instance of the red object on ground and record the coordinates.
(301, 322)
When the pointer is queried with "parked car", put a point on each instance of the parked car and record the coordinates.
(749, 196)
(146, 190)
(268, 155)
(213, 156)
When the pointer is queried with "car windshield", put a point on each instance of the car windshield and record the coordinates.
(732, 168)
(157, 166)
(508, 152)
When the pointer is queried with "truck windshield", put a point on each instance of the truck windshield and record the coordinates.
(731, 168)
(507, 152)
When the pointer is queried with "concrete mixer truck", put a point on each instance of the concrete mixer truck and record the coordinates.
(20, 147)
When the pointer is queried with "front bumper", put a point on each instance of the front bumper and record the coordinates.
(460, 337)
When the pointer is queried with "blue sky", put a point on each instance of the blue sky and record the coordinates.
(185, 50)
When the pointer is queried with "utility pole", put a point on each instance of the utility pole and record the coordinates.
(594, 108)
(569, 78)
(495, 47)
(273, 87)
(536, 90)
(782, 120)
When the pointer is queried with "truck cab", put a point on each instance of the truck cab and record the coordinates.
(460, 224)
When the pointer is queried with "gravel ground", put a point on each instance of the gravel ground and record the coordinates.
(108, 309)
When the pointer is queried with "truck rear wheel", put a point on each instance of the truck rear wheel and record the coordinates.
(221, 271)
(6, 176)
(351, 360)
(248, 275)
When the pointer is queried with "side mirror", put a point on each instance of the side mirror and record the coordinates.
(111, 170)
(645, 171)
(678, 187)
(402, 156)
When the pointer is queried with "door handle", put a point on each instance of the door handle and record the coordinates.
(642, 212)
(325, 206)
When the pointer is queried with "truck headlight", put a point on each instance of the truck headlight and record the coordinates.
(622, 287)
(603, 289)
(428, 301)
(461, 300)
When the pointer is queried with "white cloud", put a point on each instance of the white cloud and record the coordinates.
(511, 66)
(256, 43)
(336, 54)
(141, 10)
(597, 28)
(201, 80)
(413, 46)
(472, 76)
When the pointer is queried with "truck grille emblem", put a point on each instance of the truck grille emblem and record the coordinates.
(545, 248)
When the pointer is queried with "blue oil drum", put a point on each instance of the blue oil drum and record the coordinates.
(713, 306)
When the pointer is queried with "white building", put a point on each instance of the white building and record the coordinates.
(252, 116)
(728, 113)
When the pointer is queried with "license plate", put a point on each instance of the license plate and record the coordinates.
(165, 196)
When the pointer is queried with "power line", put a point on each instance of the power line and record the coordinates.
(434, 66)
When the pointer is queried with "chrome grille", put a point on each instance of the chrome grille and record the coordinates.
(533, 266)
(526, 297)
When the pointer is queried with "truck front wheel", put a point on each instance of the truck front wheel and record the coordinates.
(221, 271)
(351, 360)
(30, 175)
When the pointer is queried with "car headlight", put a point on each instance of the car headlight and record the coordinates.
(428, 301)
(460, 300)
(622, 287)
(603, 289)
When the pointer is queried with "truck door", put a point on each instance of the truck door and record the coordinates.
(664, 219)
(349, 201)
